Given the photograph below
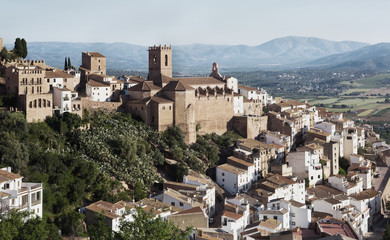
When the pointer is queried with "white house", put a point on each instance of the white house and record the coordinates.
(326, 127)
(350, 142)
(235, 218)
(299, 214)
(306, 165)
(177, 199)
(276, 186)
(281, 215)
(368, 199)
(364, 171)
(351, 185)
(16, 194)
(98, 91)
(236, 175)
(342, 207)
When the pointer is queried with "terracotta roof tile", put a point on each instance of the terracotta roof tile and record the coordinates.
(8, 176)
(233, 215)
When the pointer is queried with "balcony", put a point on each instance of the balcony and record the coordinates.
(36, 202)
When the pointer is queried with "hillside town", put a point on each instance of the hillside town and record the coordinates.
(283, 179)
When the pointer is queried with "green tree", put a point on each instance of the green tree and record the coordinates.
(145, 227)
(14, 227)
(139, 192)
(386, 234)
(344, 164)
(4, 55)
(71, 224)
(69, 64)
(66, 65)
(99, 231)
(18, 47)
(307, 183)
(342, 172)
(24, 51)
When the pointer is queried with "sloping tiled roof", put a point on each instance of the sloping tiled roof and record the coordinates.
(199, 80)
(8, 176)
(95, 54)
(105, 207)
(94, 83)
(366, 194)
(233, 215)
(161, 100)
(177, 86)
(248, 88)
(190, 211)
(232, 169)
(270, 223)
(240, 161)
(144, 86)
(57, 74)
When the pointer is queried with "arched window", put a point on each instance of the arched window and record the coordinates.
(44, 102)
(30, 105)
(40, 103)
(48, 103)
(35, 103)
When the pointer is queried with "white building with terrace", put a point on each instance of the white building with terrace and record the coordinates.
(19, 195)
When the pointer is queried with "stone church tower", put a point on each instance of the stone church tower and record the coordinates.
(160, 65)
(1, 44)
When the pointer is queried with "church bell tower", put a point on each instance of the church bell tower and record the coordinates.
(160, 64)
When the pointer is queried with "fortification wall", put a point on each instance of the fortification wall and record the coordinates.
(250, 126)
(214, 113)
(93, 105)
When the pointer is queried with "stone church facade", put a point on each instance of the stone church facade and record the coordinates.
(203, 103)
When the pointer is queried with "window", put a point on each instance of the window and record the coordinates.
(173, 203)
(166, 60)
(292, 214)
(275, 217)
(181, 204)
(319, 176)
(154, 59)
(265, 218)
(293, 223)
(223, 180)
(311, 177)
(170, 107)
(223, 174)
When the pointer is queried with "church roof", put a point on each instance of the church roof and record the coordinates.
(144, 86)
(199, 80)
(177, 86)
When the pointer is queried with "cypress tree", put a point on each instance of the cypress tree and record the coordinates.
(18, 48)
(24, 48)
(66, 65)
(69, 64)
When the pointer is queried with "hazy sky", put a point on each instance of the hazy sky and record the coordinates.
(179, 22)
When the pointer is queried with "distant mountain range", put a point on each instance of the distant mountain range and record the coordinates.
(280, 53)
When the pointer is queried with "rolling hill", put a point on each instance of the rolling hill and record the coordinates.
(198, 58)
